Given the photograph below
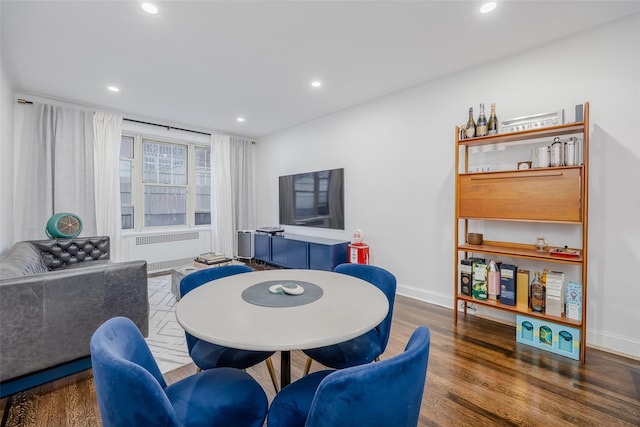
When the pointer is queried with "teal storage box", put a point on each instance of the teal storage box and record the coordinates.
(543, 334)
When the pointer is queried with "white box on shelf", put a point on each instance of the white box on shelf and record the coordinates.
(554, 304)
(574, 300)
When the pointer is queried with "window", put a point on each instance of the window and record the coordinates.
(203, 186)
(164, 183)
(126, 182)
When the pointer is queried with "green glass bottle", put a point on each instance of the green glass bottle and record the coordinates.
(470, 128)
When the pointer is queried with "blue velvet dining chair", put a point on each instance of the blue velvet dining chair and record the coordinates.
(368, 347)
(383, 394)
(206, 355)
(131, 391)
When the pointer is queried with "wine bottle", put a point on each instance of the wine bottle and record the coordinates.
(493, 120)
(481, 126)
(471, 125)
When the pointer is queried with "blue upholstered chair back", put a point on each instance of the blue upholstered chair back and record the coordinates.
(198, 278)
(129, 384)
(383, 280)
(384, 394)
(195, 279)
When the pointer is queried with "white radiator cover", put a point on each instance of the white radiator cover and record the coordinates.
(165, 250)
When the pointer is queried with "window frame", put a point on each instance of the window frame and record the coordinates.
(138, 185)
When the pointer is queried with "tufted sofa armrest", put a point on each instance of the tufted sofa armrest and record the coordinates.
(63, 253)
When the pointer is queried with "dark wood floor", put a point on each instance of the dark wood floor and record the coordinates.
(477, 376)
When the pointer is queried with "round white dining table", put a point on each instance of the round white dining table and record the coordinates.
(218, 313)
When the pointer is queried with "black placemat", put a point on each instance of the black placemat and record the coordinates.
(259, 294)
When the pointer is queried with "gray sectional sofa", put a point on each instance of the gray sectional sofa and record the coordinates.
(53, 296)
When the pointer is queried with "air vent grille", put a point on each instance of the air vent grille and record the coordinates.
(164, 238)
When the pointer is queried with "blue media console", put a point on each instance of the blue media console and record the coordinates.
(304, 252)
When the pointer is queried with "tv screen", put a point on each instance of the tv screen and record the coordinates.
(313, 199)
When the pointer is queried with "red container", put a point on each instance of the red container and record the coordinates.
(359, 253)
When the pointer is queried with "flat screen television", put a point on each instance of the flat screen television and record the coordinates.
(313, 199)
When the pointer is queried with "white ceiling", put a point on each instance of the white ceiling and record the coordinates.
(203, 63)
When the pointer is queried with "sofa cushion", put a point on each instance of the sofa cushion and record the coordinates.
(62, 253)
(21, 259)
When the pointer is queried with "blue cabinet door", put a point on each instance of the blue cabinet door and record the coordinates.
(327, 256)
(279, 250)
(262, 247)
(289, 253)
(297, 254)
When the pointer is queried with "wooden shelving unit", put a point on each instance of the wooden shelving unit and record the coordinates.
(517, 196)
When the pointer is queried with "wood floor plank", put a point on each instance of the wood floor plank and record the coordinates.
(477, 376)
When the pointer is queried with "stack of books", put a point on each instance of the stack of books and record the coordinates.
(210, 259)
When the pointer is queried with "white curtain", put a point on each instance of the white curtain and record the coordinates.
(221, 200)
(54, 169)
(232, 199)
(242, 183)
(107, 129)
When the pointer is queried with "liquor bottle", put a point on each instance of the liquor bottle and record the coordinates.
(543, 280)
(537, 294)
(493, 120)
(470, 128)
(481, 126)
(493, 280)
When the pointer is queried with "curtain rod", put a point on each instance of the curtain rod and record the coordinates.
(166, 126)
(24, 101)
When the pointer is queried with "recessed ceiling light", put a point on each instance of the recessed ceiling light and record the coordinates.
(316, 83)
(149, 8)
(240, 119)
(113, 89)
(488, 7)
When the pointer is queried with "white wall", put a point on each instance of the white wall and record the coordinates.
(398, 155)
(6, 146)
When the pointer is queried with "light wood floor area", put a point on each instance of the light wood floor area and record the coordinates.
(477, 376)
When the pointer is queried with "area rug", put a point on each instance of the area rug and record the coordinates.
(166, 337)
